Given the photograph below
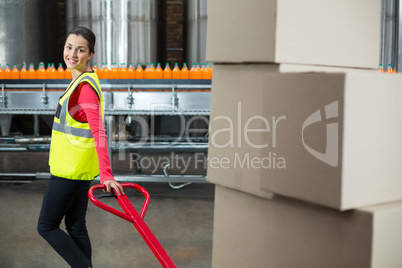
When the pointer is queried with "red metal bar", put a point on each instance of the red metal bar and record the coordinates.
(136, 219)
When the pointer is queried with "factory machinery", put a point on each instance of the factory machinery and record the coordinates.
(157, 129)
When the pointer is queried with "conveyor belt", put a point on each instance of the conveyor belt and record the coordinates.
(121, 97)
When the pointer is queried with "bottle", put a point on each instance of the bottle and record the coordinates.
(107, 73)
(7, 72)
(23, 72)
(158, 71)
(68, 74)
(1, 73)
(60, 71)
(192, 71)
(115, 71)
(167, 72)
(184, 73)
(101, 73)
(131, 71)
(41, 72)
(49, 67)
(15, 73)
(203, 71)
(195, 71)
(152, 71)
(139, 72)
(389, 69)
(95, 68)
(146, 71)
(52, 73)
(123, 72)
(198, 74)
(206, 72)
(31, 71)
(176, 73)
(381, 69)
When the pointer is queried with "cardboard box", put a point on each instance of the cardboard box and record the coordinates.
(254, 232)
(305, 68)
(318, 32)
(327, 138)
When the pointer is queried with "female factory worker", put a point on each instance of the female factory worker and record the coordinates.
(78, 153)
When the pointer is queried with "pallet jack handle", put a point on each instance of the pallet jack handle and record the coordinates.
(136, 219)
(114, 211)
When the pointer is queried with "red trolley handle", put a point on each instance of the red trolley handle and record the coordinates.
(114, 211)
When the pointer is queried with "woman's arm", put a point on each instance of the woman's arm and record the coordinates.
(88, 101)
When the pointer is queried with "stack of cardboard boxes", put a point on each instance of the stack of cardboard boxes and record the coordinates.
(305, 141)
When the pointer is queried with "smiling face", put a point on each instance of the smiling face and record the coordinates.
(76, 54)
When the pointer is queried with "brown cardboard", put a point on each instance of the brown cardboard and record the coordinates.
(327, 138)
(305, 68)
(331, 32)
(255, 232)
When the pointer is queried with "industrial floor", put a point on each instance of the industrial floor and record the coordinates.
(181, 220)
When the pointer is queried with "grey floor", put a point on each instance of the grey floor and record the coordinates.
(181, 220)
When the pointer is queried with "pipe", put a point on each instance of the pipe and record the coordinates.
(44, 139)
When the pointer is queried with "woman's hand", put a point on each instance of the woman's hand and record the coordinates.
(115, 185)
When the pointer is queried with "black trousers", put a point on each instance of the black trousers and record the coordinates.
(69, 199)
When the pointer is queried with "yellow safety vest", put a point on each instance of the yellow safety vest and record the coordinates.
(72, 149)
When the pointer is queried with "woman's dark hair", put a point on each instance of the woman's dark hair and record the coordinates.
(87, 34)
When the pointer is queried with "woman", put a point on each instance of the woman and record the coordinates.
(78, 153)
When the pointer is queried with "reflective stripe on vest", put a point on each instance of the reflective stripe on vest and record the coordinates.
(78, 132)
(72, 151)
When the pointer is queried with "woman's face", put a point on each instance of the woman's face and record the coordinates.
(76, 53)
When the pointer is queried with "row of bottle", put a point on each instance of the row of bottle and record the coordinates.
(41, 73)
(151, 72)
(389, 69)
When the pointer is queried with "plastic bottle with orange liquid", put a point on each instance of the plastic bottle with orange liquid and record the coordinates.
(158, 71)
(207, 72)
(1, 73)
(203, 70)
(41, 72)
(123, 71)
(107, 73)
(15, 73)
(23, 72)
(95, 68)
(101, 73)
(176, 73)
(60, 71)
(152, 71)
(67, 74)
(167, 72)
(195, 71)
(115, 71)
(31, 71)
(389, 69)
(139, 72)
(146, 71)
(131, 71)
(380, 69)
(49, 67)
(7, 72)
(192, 71)
(51, 72)
(184, 73)
(198, 74)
